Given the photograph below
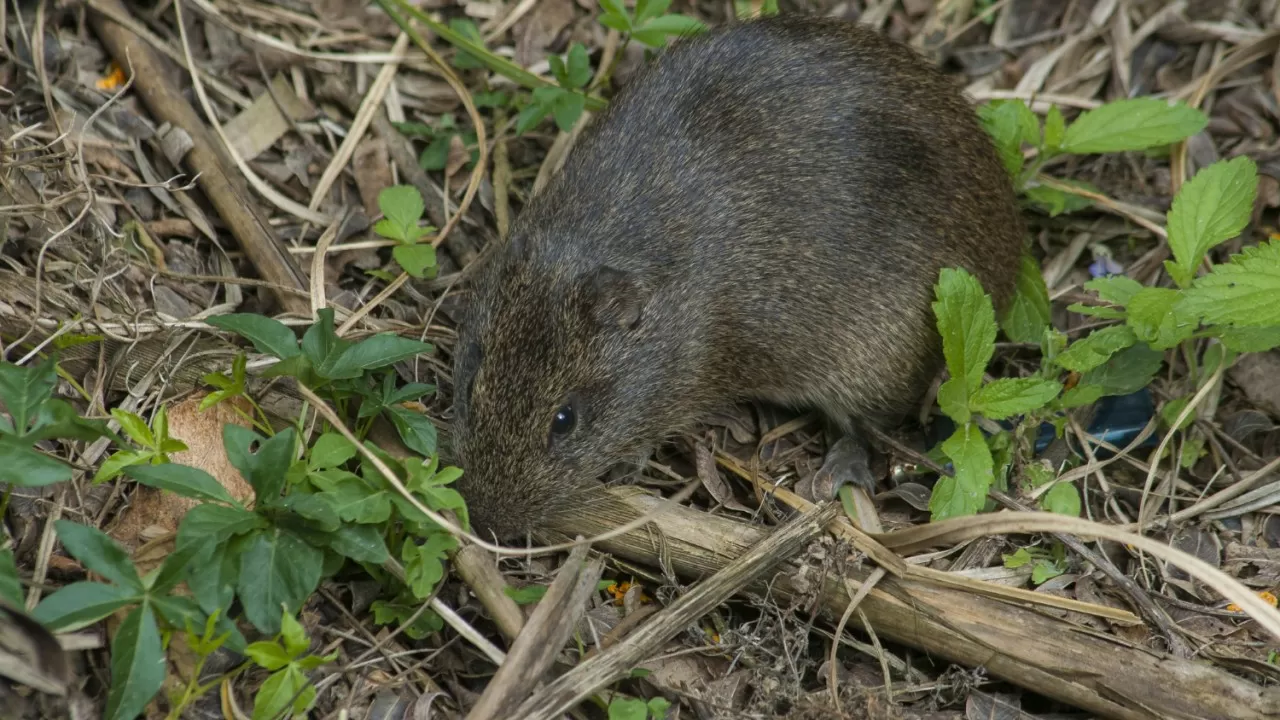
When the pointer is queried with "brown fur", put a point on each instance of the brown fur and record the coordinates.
(770, 205)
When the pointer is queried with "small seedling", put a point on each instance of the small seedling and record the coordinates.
(402, 208)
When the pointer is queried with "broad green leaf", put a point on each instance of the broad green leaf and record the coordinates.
(118, 461)
(529, 117)
(135, 427)
(320, 343)
(286, 691)
(178, 611)
(362, 543)
(967, 324)
(24, 388)
(403, 206)
(99, 553)
(625, 708)
(1132, 124)
(1089, 352)
(1028, 314)
(415, 429)
(965, 493)
(267, 655)
(137, 665)
(1115, 289)
(22, 466)
(1243, 292)
(183, 480)
(1127, 371)
(621, 23)
(81, 604)
(558, 70)
(953, 399)
(316, 509)
(56, 418)
(330, 450)
(213, 583)
(173, 569)
(614, 7)
(216, 523)
(415, 259)
(1212, 207)
(265, 469)
(1014, 396)
(372, 353)
(1079, 396)
(10, 585)
(269, 337)
(1249, 339)
(567, 109)
(276, 568)
(356, 502)
(1063, 499)
(649, 9)
(1157, 318)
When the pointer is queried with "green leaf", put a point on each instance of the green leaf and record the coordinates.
(614, 8)
(415, 259)
(117, 462)
(1244, 340)
(214, 583)
(461, 59)
(178, 611)
(1089, 352)
(356, 502)
(1054, 201)
(526, 595)
(99, 553)
(415, 429)
(1028, 313)
(967, 324)
(372, 353)
(567, 109)
(22, 466)
(24, 389)
(558, 70)
(295, 638)
(269, 337)
(530, 116)
(173, 569)
(1173, 409)
(435, 156)
(1010, 123)
(362, 543)
(424, 563)
(1243, 292)
(1132, 124)
(649, 9)
(673, 24)
(1079, 396)
(1055, 129)
(320, 343)
(621, 23)
(1157, 318)
(10, 586)
(579, 66)
(1063, 499)
(81, 604)
(137, 665)
(268, 655)
(135, 427)
(965, 493)
(330, 450)
(183, 480)
(316, 509)
(953, 399)
(1007, 397)
(276, 569)
(625, 708)
(265, 469)
(216, 523)
(285, 691)
(658, 707)
(1212, 207)
(56, 418)
(403, 206)
(1115, 289)
(1128, 371)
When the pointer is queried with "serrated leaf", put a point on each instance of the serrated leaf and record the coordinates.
(269, 337)
(276, 568)
(22, 466)
(1115, 289)
(1132, 124)
(137, 665)
(1010, 123)
(415, 259)
(967, 324)
(1244, 340)
(1243, 292)
(1063, 499)
(99, 553)
(1157, 319)
(965, 493)
(184, 480)
(1007, 397)
(1028, 313)
(1213, 206)
(1092, 351)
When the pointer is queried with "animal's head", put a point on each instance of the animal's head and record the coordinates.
(557, 377)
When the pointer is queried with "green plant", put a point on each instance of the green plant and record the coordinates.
(1045, 564)
(286, 692)
(154, 441)
(564, 102)
(628, 708)
(402, 208)
(650, 24)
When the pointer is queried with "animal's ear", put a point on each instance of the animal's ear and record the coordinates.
(617, 296)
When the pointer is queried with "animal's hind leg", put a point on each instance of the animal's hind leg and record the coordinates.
(847, 462)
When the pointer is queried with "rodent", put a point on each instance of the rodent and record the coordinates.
(760, 214)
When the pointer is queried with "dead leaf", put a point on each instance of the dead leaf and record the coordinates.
(713, 482)
(535, 33)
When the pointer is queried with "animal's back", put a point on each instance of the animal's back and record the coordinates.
(796, 184)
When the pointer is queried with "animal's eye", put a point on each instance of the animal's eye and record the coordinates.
(563, 422)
